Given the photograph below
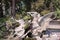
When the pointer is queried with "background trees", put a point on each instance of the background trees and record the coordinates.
(12, 7)
(1, 11)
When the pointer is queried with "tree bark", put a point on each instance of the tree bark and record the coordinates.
(13, 8)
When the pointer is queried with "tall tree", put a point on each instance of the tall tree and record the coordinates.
(13, 8)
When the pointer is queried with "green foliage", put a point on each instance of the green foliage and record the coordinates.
(39, 3)
(26, 26)
(27, 17)
(10, 21)
(56, 4)
(45, 12)
(3, 27)
(21, 6)
(2, 30)
(4, 19)
(17, 16)
(57, 13)
(1, 33)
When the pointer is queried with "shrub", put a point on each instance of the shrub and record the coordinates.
(57, 13)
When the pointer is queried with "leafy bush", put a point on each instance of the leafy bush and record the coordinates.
(57, 13)
(4, 19)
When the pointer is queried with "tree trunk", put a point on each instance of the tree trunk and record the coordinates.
(13, 8)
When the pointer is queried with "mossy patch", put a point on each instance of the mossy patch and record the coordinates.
(45, 12)
(27, 17)
(26, 26)
(29, 39)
